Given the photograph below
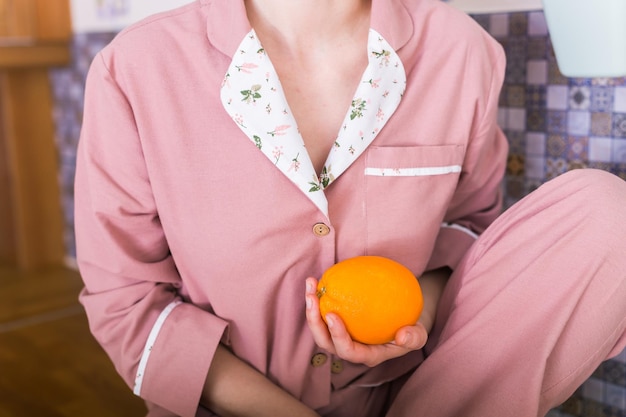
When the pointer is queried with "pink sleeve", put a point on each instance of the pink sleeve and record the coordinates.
(161, 347)
(478, 197)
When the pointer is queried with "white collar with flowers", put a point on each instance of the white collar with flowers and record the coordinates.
(253, 96)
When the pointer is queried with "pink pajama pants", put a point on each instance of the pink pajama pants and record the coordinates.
(536, 305)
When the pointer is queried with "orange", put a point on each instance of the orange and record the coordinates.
(373, 295)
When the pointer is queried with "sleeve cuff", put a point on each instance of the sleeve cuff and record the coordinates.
(177, 357)
(452, 243)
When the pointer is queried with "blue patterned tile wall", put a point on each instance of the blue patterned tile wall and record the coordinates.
(553, 124)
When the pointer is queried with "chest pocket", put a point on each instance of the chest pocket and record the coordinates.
(407, 191)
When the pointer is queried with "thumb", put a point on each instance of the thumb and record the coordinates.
(412, 337)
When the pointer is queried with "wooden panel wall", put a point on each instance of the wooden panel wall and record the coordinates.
(34, 35)
(38, 20)
(16, 19)
(33, 162)
(8, 253)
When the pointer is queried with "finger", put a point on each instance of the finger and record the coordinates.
(411, 337)
(318, 327)
(372, 355)
(339, 334)
(310, 286)
(355, 352)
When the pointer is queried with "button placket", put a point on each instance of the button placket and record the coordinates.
(321, 229)
(336, 366)
(318, 359)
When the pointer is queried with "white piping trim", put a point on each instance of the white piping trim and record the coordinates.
(154, 333)
(413, 172)
(460, 229)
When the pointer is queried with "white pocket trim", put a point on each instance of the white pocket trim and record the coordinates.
(413, 172)
(154, 333)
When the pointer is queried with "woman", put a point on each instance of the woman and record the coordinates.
(232, 150)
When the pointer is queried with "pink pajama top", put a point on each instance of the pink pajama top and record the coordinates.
(199, 214)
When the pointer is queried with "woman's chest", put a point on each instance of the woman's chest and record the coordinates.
(319, 97)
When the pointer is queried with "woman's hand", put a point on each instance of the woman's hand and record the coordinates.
(334, 338)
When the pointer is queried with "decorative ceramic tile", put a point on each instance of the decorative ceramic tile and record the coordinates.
(577, 148)
(601, 124)
(515, 71)
(556, 146)
(503, 115)
(619, 125)
(579, 122)
(600, 149)
(573, 406)
(619, 151)
(515, 165)
(614, 372)
(593, 390)
(606, 166)
(615, 396)
(536, 144)
(535, 167)
(537, 72)
(557, 97)
(516, 119)
(580, 81)
(536, 97)
(619, 170)
(515, 190)
(601, 99)
(536, 120)
(593, 409)
(579, 97)
(517, 48)
(555, 167)
(518, 24)
(514, 96)
(499, 25)
(557, 121)
(537, 25)
(537, 48)
(517, 142)
(619, 100)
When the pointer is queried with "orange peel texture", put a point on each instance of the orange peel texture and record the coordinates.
(374, 296)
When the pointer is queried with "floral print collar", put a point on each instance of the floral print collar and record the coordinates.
(252, 95)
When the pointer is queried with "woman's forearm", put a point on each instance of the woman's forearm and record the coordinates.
(233, 388)
(432, 284)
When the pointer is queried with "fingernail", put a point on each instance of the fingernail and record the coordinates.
(308, 303)
(406, 339)
(329, 322)
(309, 287)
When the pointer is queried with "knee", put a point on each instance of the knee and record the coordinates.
(593, 176)
(597, 187)
(602, 194)
(591, 197)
